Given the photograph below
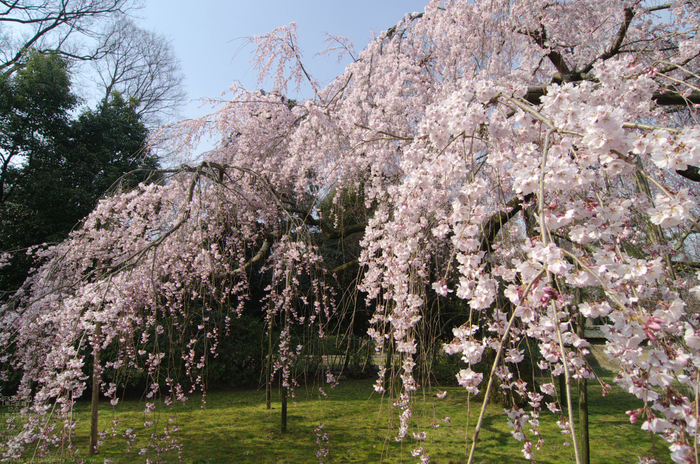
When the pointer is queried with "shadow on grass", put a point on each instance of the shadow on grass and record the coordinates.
(236, 427)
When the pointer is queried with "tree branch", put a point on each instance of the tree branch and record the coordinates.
(346, 267)
(263, 252)
(343, 232)
(493, 226)
(670, 98)
(617, 43)
(540, 38)
(690, 173)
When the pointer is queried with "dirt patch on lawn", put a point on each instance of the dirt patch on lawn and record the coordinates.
(598, 358)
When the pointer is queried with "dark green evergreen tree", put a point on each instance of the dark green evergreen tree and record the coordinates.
(55, 168)
(106, 144)
(35, 104)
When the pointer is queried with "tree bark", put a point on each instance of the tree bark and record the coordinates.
(668, 98)
(562, 393)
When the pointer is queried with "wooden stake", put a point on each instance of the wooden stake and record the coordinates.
(95, 388)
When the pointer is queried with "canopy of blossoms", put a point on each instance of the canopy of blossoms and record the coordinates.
(537, 159)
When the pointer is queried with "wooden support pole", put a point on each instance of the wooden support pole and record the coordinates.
(583, 397)
(96, 380)
(284, 408)
(268, 383)
(282, 379)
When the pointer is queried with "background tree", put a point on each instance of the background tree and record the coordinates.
(66, 27)
(54, 169)
(35, 108)
(106, 144)
(142, 66)
(101, 146)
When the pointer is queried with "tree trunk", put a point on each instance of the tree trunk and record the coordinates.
(583, 420)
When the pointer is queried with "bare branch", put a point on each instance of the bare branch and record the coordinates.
(617, 43)
(343, 232)
(670, 98)
(50, 25)
(540, 38)
(141, 66)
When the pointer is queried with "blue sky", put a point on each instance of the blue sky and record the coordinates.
(211, 38)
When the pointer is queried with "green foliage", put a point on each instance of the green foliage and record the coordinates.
(34, 114)
(238, 361)
(240, 355)
(236, 427)
(55, 167)
(35, 104)
(106, 144)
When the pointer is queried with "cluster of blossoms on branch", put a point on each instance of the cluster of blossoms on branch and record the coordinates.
(538, 160)
(547, 208)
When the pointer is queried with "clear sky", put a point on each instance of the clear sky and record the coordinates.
(210, 38)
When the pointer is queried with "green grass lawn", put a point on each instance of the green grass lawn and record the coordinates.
(236, 427)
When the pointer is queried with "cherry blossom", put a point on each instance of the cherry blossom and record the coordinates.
(537, 160)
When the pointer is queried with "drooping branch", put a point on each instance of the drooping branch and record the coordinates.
(497, 358)
(213, 171)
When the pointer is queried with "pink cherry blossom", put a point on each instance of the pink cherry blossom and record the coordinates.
(525, 162)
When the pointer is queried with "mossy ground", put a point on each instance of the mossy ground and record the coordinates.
(236, 427)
